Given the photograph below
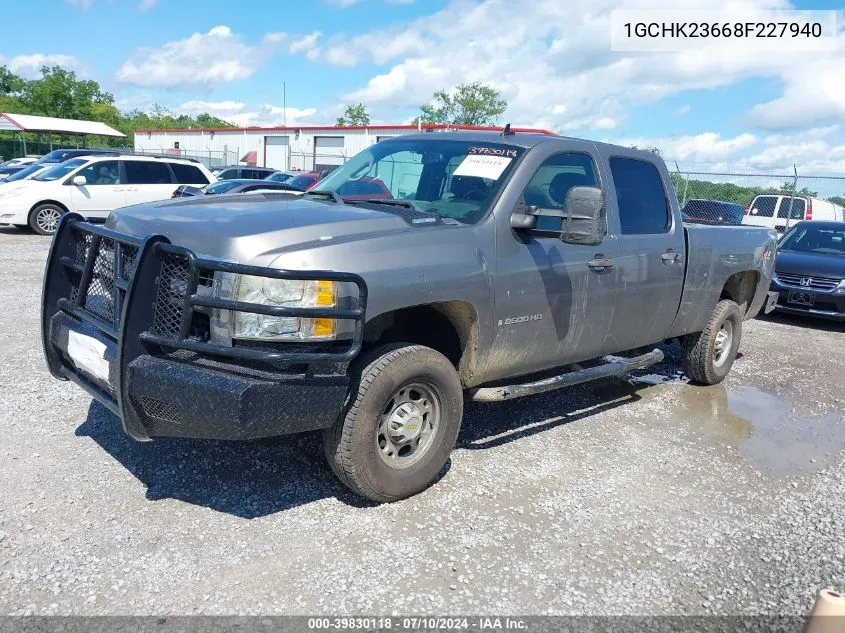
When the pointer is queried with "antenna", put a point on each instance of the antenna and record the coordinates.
(507, 130)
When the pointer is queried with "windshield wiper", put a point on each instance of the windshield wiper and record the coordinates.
(405, 204)
(325, 193)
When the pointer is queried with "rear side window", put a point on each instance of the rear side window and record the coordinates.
(643, 206)
(228, 174)
(188, 174)
(765, 206)
(797, 211)
(147, 173)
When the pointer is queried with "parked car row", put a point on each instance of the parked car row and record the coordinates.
(37, 192)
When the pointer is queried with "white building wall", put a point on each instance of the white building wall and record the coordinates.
(231, 145)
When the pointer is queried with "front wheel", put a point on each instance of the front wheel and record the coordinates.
(400, 425)
(709, 355)
(45, 218)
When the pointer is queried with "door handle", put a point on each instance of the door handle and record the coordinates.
(670, 257)
(600, 263)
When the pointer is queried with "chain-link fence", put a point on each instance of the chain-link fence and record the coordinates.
(776, 199)
(313, 161)
(14, 148)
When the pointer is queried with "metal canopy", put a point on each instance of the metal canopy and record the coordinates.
(45, 124)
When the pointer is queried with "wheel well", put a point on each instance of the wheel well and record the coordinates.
(740, 288)
(38, 204)
(450, 327)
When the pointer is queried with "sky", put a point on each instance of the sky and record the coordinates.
(551, 60)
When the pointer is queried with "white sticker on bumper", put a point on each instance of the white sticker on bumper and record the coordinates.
(88, 355)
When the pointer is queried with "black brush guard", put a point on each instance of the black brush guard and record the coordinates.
(110, 286)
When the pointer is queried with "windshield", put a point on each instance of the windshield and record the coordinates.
(815, 239)
(24, 173)
(279, 177)
(60, 170)
(221, 187)
(454, 179)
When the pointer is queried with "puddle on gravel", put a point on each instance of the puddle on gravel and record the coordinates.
(773, 434)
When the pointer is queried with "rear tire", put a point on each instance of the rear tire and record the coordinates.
(400, 424)
(44, 219)
(709, 355)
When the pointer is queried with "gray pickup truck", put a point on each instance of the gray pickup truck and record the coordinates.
(428, 269)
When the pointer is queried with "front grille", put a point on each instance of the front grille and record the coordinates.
(815, 283)
(161, 410)
(100, 297)
(170, 297)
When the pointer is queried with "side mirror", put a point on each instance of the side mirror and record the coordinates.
(526, 220)
(80, 181)
(583, 219)
(754, 211)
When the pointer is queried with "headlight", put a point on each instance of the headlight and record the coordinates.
(840, 289)
(293, 293)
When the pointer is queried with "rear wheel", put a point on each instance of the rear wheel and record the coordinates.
(709, 354)
(44, 219)
(400, 425)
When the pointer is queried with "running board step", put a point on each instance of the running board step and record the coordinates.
(610, 368)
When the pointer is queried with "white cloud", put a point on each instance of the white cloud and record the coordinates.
(82, 4)
(146, 5)
(684, 109)
(706, 147)
(29, 66)
(245, 116)
(305, 43)
(815, 152)
(342, 4)
(542, 52)
(201, 60)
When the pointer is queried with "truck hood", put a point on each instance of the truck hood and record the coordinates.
(257, 229)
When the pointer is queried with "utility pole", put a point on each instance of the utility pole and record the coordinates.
(284, 105)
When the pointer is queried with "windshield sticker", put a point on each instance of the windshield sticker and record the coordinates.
(483, 166)
(494, 151)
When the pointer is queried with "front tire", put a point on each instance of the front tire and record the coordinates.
(44, 219)
(709, 355)
(400, 425)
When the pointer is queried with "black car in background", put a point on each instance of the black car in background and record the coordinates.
(713, 212)
(810, 270)
(243, 185)
(242, 172)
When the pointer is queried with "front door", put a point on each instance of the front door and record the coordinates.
(553, 304)
(650, 264)
(104, 190)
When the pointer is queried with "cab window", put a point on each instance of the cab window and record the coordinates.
(553, 180)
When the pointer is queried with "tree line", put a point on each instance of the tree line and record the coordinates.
(60, 93)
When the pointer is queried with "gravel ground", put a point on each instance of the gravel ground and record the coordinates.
(650, 496)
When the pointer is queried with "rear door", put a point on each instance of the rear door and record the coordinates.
(103, 192)
(650, 263)
(762, 211)
(790, 211)
(147, 181)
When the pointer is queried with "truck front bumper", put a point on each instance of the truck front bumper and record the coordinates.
(102, 328)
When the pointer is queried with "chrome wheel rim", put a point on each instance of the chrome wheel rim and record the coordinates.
(408, 424)
(723, 343)
(48, 219)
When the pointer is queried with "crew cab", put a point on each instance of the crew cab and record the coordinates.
(500, 265)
